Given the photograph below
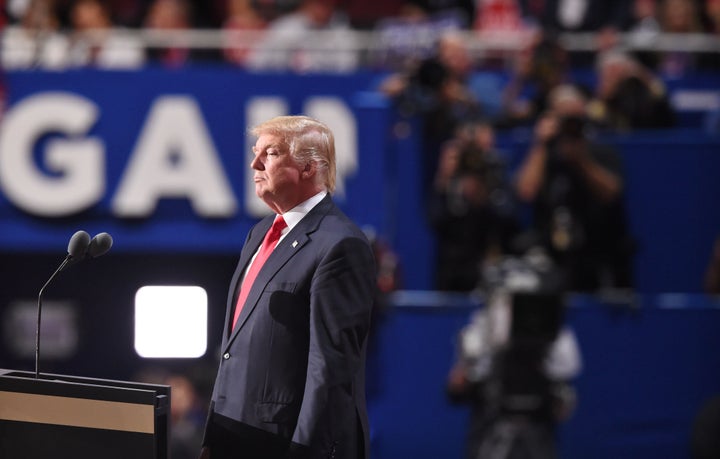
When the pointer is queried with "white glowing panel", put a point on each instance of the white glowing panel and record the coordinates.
(171, 321)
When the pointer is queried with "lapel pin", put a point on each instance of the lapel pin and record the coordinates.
(294, 244)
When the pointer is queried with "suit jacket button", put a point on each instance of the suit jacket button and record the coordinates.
(226, 355)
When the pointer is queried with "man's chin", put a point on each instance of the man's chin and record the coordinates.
(264, 195)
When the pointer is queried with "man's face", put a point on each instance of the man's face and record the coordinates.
(277, 176)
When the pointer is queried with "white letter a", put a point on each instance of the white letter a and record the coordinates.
(174, 158)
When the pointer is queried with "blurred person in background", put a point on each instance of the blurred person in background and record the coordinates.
(644, 30)
(444, 87)
(576, 189)
(516, 359)
(241, 17)
(459, 102)
(710, 61)
(187, 417)
(173, 16)
(538, 68)
(187, 408)
(500, 21)
(712, 13)
(314, 38)
(97, 42)
(581, 15)
(678, 17)
(439, 91)
(409, 37)
(498, 16)
(645, 18)
(462, 10)
(629, 96)
(36, 40)
(470, 208)
(420, 85)
(128, 13)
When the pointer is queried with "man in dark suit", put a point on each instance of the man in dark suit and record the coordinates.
(291, 381)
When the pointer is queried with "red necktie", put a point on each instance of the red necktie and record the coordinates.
(268, 244)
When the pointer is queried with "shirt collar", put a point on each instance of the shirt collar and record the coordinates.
(293, 216)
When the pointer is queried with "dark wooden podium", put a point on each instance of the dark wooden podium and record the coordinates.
(56, 416)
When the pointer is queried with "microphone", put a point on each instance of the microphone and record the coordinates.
(99, 245)
(78, 245)
(78, 248)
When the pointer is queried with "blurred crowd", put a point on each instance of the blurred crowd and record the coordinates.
(282, 34)
(569, 181)
(564, 203)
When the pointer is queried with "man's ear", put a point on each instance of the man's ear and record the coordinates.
(309, 169)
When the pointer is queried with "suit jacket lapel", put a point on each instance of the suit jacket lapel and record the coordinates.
(282, 253)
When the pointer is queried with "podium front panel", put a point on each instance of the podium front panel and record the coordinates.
(60, 416)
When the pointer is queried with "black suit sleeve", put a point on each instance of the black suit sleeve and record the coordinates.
(341, 298)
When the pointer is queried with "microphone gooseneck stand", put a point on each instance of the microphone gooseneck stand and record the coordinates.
(39, 314)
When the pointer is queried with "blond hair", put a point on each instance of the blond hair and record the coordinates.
(308, 140)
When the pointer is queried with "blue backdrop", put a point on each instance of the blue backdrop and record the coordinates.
(672, 181)
(227, 101)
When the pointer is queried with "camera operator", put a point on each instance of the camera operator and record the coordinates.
(470, 207)
(516, 360)
(575, 187)
(439, 92)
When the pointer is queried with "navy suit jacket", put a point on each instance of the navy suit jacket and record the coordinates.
(294, 366)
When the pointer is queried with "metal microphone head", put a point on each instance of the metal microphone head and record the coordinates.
(78, 245)
(99, 245)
